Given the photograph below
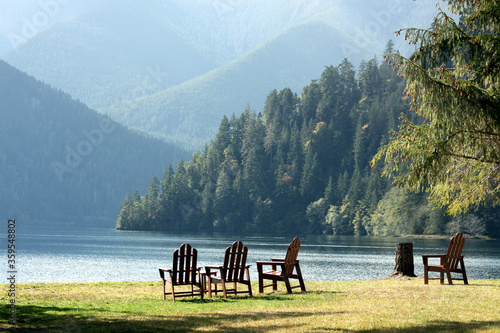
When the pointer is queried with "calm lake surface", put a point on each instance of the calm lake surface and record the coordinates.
(55, 254)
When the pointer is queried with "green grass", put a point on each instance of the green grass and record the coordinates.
(387, 305)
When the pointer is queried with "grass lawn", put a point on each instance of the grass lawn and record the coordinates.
(386, 305)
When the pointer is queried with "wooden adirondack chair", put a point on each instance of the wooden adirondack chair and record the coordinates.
(184, 272)
(233, 270)
(448, 262)
(286, 271)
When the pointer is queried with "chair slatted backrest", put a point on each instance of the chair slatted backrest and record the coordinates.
(291, 255)
(235, 261)
(184, 265)
(455, 250)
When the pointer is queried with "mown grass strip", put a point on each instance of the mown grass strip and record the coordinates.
(388, 305)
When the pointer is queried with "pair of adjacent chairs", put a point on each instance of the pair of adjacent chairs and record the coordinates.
(185, 272)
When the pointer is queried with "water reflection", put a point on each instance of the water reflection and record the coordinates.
(88, 255)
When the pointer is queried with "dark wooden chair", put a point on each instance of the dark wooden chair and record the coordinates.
(184, 272)
(448, 262)
(234, 270)
(289, 268)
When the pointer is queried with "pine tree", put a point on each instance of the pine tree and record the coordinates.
(453, 80)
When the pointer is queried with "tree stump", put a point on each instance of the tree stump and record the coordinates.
(404, 260)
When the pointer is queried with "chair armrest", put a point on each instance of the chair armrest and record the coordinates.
(282, 260)
(162, 272)
(442, 257)
(261, 263)
(434, 255)
(208, 269)
(164, 269)
(212, 267)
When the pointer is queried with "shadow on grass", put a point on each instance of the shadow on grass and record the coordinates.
(229, 299)
(435, 326)
(33, 318)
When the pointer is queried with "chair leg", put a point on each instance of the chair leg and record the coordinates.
(448, 276)
(299, 277)
(202, 290)
(173, 292)
(442, 261)
(249, 283)
(224, 287)
(210, 287)
(426, 270)
(261, 279)
(164, 291)
(288, 286)
(464, 275)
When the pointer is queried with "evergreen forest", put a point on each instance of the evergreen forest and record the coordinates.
(301, 165)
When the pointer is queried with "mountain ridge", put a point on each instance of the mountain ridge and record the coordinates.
(223, 91)
(63, 162)
(114, 71)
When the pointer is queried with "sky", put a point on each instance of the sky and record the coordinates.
(219, 19)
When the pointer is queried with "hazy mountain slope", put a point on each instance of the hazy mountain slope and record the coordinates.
(61, 161)
(189, 114)
(227, 30)
(104, 51)
(220, 29)
(109, 52)
(102, 59)
(103, 55)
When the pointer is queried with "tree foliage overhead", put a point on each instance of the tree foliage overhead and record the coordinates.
(453, 82)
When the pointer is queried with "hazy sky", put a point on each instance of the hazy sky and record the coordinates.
(212, 19)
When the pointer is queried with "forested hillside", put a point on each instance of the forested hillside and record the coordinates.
(62, 162)
(302, 165)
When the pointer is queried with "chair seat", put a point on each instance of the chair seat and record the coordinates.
(436, 266)
(278, 273)
(182, 283)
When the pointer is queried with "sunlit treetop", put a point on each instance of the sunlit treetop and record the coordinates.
(453, 83)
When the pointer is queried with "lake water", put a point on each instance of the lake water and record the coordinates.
(89, 255)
